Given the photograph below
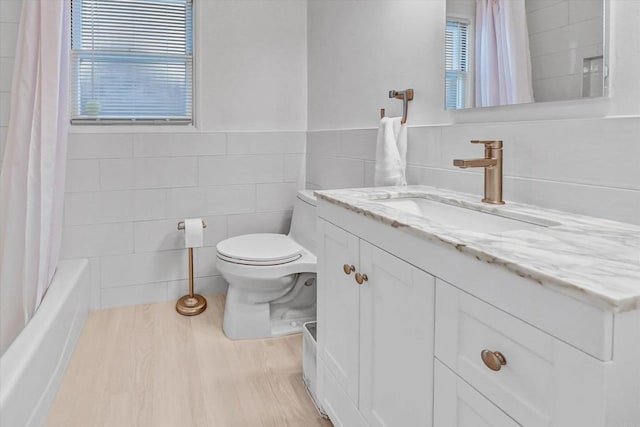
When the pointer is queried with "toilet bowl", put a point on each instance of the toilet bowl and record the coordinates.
(272, 277)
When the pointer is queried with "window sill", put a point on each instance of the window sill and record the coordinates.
(105, 128)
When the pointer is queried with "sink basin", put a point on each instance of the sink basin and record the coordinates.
(462, 217)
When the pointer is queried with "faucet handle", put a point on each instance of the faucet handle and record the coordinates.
(497, 144)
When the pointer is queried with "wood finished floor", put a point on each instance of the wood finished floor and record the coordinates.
(148, 366)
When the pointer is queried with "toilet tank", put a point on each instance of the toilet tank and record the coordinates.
(303, 221)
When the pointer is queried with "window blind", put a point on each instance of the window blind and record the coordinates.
(132, 61)
(456, 61)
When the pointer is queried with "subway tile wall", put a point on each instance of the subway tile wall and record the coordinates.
(9, 19)
(587, 166)
(125, 194)
(561, 34)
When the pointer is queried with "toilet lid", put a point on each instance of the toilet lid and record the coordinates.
(264, 248)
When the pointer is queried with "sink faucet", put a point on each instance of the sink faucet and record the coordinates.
(492, 164)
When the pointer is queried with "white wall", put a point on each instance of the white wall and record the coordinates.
(580, 156)
(239, 167)
(9, 18)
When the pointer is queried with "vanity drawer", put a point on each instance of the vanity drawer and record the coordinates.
(456, 403)
(544, 381)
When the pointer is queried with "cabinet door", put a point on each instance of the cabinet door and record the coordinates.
(457, 404)
(396, 344)
(338, 302)
(543, 381)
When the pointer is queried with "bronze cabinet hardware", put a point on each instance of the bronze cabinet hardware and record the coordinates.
(361, 278)
(493, 359)
(348, 269)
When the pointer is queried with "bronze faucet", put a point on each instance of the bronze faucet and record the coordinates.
(492, 164)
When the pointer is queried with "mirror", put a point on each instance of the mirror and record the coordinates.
(502, 52)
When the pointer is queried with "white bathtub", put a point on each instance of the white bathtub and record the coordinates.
(31, 369)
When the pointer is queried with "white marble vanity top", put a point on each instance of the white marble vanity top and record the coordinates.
(592, 259)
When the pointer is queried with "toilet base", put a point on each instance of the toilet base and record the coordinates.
(246, 319)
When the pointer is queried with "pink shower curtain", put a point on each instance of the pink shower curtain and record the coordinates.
(503, 60)
(33, 172)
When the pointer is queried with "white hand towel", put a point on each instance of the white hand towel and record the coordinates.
(391, 153)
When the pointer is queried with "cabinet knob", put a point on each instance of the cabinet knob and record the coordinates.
(493, 359)
(348, 269)
(361, 278)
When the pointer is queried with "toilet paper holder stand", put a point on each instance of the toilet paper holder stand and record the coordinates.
(191, 304)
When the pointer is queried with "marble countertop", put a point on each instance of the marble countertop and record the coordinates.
(592, 259)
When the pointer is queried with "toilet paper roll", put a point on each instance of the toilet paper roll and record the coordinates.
(193, 233)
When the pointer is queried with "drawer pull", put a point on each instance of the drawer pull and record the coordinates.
(493, 359)
(348, 269)
(361, 278)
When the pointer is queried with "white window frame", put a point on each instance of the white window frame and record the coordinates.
(79, 121)
(468, 76)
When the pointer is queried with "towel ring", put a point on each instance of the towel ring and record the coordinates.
(406, 96)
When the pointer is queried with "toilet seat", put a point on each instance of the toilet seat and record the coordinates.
(262, 249)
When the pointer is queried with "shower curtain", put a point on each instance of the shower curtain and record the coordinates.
(503, 60)
(33, 172)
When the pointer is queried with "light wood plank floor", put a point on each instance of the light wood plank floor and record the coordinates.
(148, 366)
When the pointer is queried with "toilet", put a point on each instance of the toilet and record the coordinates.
(272, 277)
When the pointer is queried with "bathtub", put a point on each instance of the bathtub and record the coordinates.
(31, 369)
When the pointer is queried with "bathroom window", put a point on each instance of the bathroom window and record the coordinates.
(457, 64)
(132, 61)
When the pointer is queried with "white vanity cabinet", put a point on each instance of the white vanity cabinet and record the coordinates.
(404, 347)
(376, 340)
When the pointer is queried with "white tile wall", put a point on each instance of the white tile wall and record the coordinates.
(6, 74)
(127, 192)
(83, 175)
(294, 168)
(326, 171)
(190, 144)
(8, 38)
(582, 10)
(275, 197)
(589, 166)
(242, 169)
(277, 222)
(548, 18)
(131, 295)
(266, 143)
(99, 146)
(206, 265)
(82, 241)
(9, 18)
(149, 172)
(202, 285)
(561, 34)
(114, 206)
(147, 267)
(5, 104)
(212, 200)
(96, 292)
